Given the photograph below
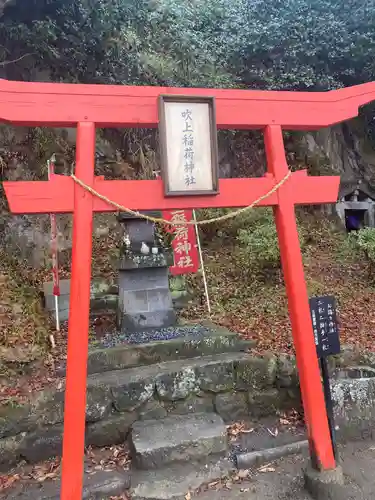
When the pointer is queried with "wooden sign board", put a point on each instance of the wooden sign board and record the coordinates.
(188, 145)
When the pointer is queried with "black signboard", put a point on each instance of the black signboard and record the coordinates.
(324, 321)
(327, 341)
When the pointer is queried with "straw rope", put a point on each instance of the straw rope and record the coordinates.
(160, 220)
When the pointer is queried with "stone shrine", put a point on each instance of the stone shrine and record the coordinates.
(145, 300)
(356, 199)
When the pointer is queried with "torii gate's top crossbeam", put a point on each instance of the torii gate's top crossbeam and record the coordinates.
(25, 103)
(65, 105)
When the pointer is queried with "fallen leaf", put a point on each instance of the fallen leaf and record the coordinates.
(235, 429)
(243, 473)
(266, 468)
(49, 475)
(7, 481)
(274, 433)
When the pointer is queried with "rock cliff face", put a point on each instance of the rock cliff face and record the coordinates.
(344, 150)
(340, 150)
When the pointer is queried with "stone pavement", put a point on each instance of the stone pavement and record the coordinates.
(285, 482)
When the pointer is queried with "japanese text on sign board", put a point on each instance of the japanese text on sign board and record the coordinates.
(324, 322)
(184, 243)
(188, 147)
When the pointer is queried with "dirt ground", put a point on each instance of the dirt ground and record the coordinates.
(283, 480)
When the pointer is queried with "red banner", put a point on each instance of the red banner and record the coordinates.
(184, 243)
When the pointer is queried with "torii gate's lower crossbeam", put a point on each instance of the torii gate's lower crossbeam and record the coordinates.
(92, 106)
(58, 194)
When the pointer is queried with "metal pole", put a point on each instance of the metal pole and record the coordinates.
(202, 265)
(55, 268)
(329, 404)
(57, 313)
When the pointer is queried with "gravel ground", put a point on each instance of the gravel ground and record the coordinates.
(114, 338)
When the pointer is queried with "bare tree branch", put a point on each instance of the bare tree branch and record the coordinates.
(4, 3)
(5, 63)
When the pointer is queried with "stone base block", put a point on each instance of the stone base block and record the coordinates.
(145, 320)
(327, 484)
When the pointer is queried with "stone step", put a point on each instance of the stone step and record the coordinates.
(179, 438)
(184, 342)
(236, 386)
(174, 482)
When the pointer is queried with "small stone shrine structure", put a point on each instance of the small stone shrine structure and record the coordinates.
(144, 297)
(356, 199)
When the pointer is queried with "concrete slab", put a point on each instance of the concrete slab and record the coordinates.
(174, 482)
(179, 438)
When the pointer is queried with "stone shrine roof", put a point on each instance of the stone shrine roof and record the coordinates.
(348, 187)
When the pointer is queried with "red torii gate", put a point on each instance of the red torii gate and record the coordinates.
(89, 106)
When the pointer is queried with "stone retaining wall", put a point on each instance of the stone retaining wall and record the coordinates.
(235, 386)
(353, 394)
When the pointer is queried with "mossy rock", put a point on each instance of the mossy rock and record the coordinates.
(256, 373)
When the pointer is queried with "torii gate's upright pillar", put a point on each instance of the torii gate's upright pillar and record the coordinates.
(299, 311)
(78, 336)
(90, 106)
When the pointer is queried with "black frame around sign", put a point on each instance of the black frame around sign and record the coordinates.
(327, 340)
(213, 141)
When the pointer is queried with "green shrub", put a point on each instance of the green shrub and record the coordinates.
(228, 230)
(253, 234)
(259, 241)
(259, 245)
(365, 241)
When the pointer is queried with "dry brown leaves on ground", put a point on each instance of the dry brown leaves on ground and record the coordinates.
(238, 477)
(257, 308)
(96, 459)
(234, 430)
